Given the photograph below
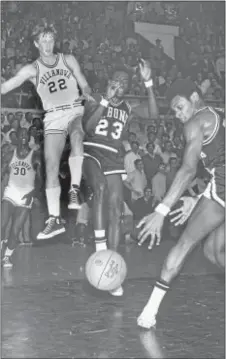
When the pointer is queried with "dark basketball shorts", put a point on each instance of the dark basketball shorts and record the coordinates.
(216, 188)
(109, 162)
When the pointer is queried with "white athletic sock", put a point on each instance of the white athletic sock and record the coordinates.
(75, 164)
(157, 295)
(53, 201)
(100, 240)
(3, 241)
(9, 252)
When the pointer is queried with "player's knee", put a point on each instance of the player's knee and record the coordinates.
(52, 166)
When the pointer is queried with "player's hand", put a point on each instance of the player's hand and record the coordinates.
(145, 70)
(184, 212)
(151, 225)
(28, 197)
(112, 88)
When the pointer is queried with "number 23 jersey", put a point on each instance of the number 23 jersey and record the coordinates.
(110, 128)
(56, 84)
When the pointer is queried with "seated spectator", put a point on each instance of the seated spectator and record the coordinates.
(159, 184)
(151, 162)
(131, 156)
(152, 138)
(34, 142)
(136, 180)
(143, 206)
(171, 173)
(168, 152)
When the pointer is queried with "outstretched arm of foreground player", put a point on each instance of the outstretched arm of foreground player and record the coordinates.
(77, 72)
(151, 225)
(26, 73)
(194, 139)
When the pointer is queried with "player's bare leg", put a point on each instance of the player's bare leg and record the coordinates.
(53, 149)
(115, 205)
(97, 181)
(75, 161)
(214, 246)
(208, 213)
(19, 216)
(7, 211)
(115, 200)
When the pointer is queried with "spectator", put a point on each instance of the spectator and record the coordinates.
(136, 180)
(131, 156)
(220, 66)
(159, 184)
(151, 162)
(170, 175)
(168, 153)
(143, 206)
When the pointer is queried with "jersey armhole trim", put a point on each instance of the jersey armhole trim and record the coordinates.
(37, 73)
(215, 130)
(66, 64)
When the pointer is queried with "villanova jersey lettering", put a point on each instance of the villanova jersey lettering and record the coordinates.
(56, 84)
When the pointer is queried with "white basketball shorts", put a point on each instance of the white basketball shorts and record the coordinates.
(15, 194)
(58, 122)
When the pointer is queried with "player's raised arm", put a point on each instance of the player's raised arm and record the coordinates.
(77, 72)
(194, 140)
(145, 72)
(26, 73)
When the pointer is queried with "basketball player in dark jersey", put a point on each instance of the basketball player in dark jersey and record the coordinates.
(103, 167)
(205, 137)
(25, 176)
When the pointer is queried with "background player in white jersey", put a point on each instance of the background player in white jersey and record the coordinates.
(56, 78)
(24, 167)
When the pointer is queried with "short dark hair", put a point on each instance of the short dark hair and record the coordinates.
(136, 143)
(182, 87)
(137, 161)
(125, 70)
(149, 144)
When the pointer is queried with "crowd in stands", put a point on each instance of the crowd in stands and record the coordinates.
(101, 36)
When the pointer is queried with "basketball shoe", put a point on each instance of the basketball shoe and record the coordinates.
(7, 262)
(74, 198)
(118, 292)
(54, 226)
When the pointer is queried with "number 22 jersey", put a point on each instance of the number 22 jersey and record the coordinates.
(56, 84)
(108, 133)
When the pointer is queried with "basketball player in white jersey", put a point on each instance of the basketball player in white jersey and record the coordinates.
(56, 78)
(24, 167)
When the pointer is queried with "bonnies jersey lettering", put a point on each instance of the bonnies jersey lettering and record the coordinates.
(110, 128)
(56, 84)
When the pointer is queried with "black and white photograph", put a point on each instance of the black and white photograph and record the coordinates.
(113, 179)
